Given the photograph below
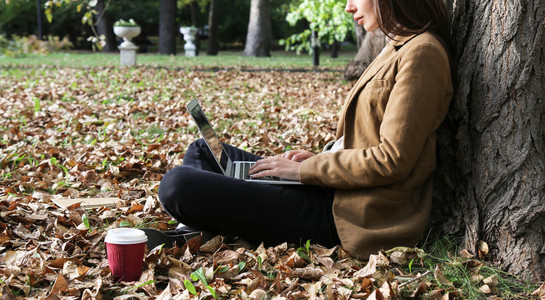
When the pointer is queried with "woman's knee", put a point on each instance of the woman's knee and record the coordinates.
(174, 189)
(197, 145)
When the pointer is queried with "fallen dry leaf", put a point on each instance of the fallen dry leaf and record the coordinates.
(60, 286)
(465, 254)
(540, 292)
(212, 245)
(491, 281)
(309, 273)
(375, 261)
(483, 249)
(295, 261)
(440, 277)
(485, 289)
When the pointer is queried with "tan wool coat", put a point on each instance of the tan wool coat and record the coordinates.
(383, 177)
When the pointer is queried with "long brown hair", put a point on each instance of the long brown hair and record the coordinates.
(407, 17)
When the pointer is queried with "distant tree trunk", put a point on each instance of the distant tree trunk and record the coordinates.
(335, 47)
(370, 47)
(259, 38)
(194, 6)
(39, 19)
(490, 182)
(213, 43)
(167, 27)
(360, 34)
(104, 26)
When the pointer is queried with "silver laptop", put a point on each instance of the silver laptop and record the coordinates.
(236, 169)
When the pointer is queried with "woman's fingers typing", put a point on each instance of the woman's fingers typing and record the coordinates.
(297, 155)
(276, 166)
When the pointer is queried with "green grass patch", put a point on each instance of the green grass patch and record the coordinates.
(225, 59)
(467, 275)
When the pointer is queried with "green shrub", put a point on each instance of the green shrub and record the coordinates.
(21, 46)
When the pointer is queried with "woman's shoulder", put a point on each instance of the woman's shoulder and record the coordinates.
(424, 42)
(415, 40)
(426, 37)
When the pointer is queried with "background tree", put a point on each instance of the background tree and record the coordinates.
(104, 26)
(359, 32)
(371, 45)
(76, 19)
(167, 27)
(213, 43)
(259, 38)
(327, 17)
(19, 17)
(490, 183)
(81, 20)
(194, 7)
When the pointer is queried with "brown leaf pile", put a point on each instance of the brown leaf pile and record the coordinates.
(51, 253)
(107, 132)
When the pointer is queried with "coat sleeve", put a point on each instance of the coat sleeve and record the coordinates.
(416, 106)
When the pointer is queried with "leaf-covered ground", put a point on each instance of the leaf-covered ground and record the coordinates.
(113, 132)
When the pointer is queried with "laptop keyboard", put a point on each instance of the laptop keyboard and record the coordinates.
(245, 167)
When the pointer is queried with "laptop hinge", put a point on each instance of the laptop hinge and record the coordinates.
(230, 170)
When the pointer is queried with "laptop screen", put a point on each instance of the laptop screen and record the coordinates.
(208, 133)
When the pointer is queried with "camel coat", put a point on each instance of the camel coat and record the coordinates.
(383, 177)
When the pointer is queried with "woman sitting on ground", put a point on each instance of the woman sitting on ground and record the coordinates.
(373, 189)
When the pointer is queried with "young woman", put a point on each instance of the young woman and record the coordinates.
(373, 189)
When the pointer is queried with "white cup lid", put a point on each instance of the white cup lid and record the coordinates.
(126, 236)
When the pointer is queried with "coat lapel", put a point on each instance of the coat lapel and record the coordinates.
(385, 56)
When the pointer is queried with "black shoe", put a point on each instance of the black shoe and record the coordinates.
(191, 232)
(170, 238)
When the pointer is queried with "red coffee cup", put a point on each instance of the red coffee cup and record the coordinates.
(125, 248)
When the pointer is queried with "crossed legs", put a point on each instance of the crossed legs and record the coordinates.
(197, 194)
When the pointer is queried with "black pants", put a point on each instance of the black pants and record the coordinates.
(197, 194)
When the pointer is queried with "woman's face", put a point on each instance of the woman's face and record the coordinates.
(364, 13)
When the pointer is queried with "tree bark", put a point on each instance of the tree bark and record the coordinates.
(259, 38)
(490, 181)
(335, 47)
(213, 43)
(360, 34)
(371, 46)
(104, 26)
(167, 27)
(39, 19)
(194, 6)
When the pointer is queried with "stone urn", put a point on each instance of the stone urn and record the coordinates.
(127, 33)
(127, 50)
(190, 33)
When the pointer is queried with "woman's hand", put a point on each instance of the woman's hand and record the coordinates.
(297, 155)
(276, 166)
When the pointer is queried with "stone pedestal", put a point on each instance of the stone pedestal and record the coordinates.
(190, 34)
(128, 55)
(127, 49)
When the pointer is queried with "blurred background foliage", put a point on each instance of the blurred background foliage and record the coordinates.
(19, 18)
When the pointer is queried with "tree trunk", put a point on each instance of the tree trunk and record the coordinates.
(490, 182)
(104, 26)
(213, 44)
(195, 23)
(167, 27)
(335, 47)
(371, 46)
(39, 19)
(360, 34)
(259, 38)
